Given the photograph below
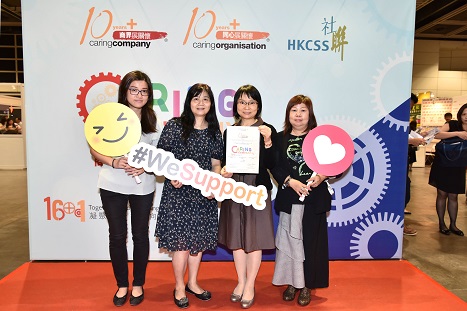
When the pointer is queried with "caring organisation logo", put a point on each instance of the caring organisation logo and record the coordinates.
(100, 31)
(333, 39)
(205, 32)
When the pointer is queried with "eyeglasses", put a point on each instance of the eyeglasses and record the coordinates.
(244, 103)
(133, 91)
(204, 100)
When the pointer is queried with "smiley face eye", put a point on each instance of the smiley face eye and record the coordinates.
(121, 118)
(98, 128)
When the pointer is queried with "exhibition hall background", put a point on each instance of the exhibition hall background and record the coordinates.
(75, 60)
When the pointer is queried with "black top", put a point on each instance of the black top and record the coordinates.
(289, 161)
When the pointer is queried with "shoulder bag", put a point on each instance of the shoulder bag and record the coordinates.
(452, 152)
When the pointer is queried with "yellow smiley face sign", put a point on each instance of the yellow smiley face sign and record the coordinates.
(112, 129)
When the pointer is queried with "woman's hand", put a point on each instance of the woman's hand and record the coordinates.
(462, 134)
(121, 163)
(176, 183)
(132, 171)
(298, 187)
(266, 132)
(315, 181)
(225, 174)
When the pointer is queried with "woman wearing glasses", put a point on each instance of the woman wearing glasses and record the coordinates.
(118, 188)
(187, 220)
(243, 229)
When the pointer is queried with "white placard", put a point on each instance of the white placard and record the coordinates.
(242, 149)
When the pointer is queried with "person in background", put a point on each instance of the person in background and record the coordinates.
(243, 229)
(3, 124)
(412, 151)
(449, 181)
(187, 220)
(118, 189)
(302, 256)
(413, 142)
(18, 125)
(447, 117)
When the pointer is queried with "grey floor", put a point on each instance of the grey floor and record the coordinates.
(441, 257)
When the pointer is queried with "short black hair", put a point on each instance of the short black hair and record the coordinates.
(448, 114)
(414, 98)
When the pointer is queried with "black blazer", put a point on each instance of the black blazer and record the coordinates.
(319, 198)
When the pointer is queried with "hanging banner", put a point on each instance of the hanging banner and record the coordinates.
(352, 58)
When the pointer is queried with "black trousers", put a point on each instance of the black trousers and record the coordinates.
(315, 244)
(115, 206)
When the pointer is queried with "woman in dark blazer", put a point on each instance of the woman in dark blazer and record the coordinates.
(302, 260)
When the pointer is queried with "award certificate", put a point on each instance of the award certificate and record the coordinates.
(242, 149)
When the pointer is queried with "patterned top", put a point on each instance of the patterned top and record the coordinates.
(296, 160)
(186, 219)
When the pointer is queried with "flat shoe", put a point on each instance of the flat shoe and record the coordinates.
(119, 301)
(245, 304)
(203, 296)
(289, 293)
(235, 297)
(457, 232)
(445, 231)
(305, 297)
(182, 303)
(134, 301)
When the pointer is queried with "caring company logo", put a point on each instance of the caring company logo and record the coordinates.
(58, 209)
(229, 35)
(333, 39)
(100, 31)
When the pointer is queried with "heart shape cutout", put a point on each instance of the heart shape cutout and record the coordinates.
(327, 152)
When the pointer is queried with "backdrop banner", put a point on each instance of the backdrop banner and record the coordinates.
(352, 58)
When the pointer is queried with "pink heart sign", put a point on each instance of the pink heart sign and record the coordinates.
(328, 150)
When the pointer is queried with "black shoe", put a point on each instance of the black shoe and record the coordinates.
(203, 296)
(304, 297)
(182, 302)
(457, 232)
(444, 231)
(119, 301)
(134, 301)
(289, 293)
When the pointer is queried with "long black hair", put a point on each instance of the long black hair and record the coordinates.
(148, 116)
(459, 115)
(187, 119)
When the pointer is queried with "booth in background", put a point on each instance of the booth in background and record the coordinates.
(13, 145)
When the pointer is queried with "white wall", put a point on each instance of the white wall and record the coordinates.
(433, 68)
(12, 150)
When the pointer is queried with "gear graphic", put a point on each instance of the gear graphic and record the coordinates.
(351, 125)
(88, 84)
(377, 86)
(362, 188)
(367, 229)
(381, 16)
(111, 90)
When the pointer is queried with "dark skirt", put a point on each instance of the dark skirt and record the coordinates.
(244, 227)
(447, 179)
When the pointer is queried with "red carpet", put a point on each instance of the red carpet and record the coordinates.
(354, 285)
